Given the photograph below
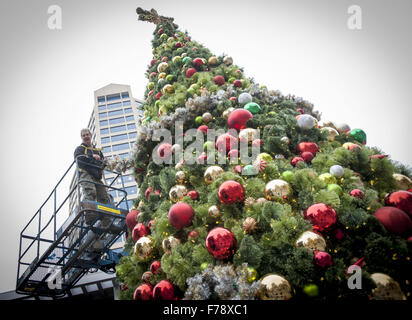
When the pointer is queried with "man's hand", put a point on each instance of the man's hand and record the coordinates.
(96, 156)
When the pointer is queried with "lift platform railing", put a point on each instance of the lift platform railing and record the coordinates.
(47, 252)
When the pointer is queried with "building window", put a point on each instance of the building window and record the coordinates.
(109, 181)
(102, 115)
(117, 129)
(131, 190)
(128, 110)
(102, 107)
(103, 123)
(115, 113)
(107, 149)
(131, 126)
(119, 137)
(113, 97)
(113, 193)
(122, 146)
(105, 140)
(114, 105)
(126, 103)
(116, 120)
(100, 99)
(138, 103)
(132, 135)
(128, 178)
(123, 155)
(129, 118)
(104, 131)
(125, 95)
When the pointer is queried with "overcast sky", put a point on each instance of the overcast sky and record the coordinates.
(360, 77)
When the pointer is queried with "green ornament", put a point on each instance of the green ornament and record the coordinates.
(252, 107)
(287, 175)
(169, 78)
(150, 86)
(249, 170)
(252, 274)
(186, 60)
(208, 145)
(203, 266)
(199, 120)
(311, 290)
(358, 135)
(231, 79)
(177, 59)
(265, 156)
(157, 104)
(191, 91)
(179, 50)
(327, 178)
(194, 86)
(163, 37)
(334, 187)
(272, 113)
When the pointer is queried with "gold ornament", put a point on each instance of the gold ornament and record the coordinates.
(168, 89)
(143, 248)
(332, 133)
(386, 288)
(214, 211)
(176, 193)
(348, 145)
(248, 134)
(147, 276)
(249, 201)
(207, 116)
(212, 60)
(161, 75)
(179, 165)
(180, 176)
(277, 189)
(169, 244)
(227, 60)
(227, 112)
(274, 287)
(250, 225)
(403, 182)
(327, 178)
(162, 111)
(212, 173)
(312, 241)
(162, 67)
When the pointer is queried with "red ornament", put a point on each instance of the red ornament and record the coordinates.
(131, 219)
(354, 147)
(149, 225)
(164, 290)
(219, 80)
(394, 220)
(140, 230)
(221, 243)
(339, 235)
(237, 83)
(155, 266)
(321, 215)
(181, 215)
(257, 143)
(231, 192)
(143, 292)
(233, 99)
(204, 128)
(237, 119)
(202, 158)
(378, 156)
(123, 287)
(178, 45)
(150, 93)
(401, 200)
(153, 74)
(308, 147)
(198, 62)
(323, 259)
(148, 192)
(357, 193)
(193, 235)
(225, 142)
(152, 63)
(307, 156)
(300, 110)
(295, 161)
(238, 168)
(160, 31)
(233, 154)
(158, 95)
(164, 151)
(190, 72)
(193, 194)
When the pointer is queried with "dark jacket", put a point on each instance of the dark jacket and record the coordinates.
(87, 163)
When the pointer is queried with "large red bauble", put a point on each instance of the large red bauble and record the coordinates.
(225, 142)
(308, 147)
(237, 83)
(307, 156)
(231, 192)
(181, 215)
(321, 216)
(190, 72)
(219, 80)
(154, 266)
(221, 243)
(295, 161)
(394, 220)
(152, 63)
(401, 200)
(139, 230)
(193, 194)
(198, 62)
(323, 259)
(131, 219)
(164, 151)
(357, 193)
(158, 95)
(204, 128)
(143, 292)
(164, 290)
(237, 119)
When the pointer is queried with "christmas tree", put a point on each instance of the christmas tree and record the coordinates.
(251, 196)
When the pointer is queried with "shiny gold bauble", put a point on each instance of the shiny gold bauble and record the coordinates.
(248, 134)
(176, 193)
(274, 287)
(250, 225)
(169, 244)
(386, 288)
(227, 60)
(276, 189)
(168, 89)
(403, 182)
(162, 111)
(212, 60)
(180, 176)
(179, 165)
(227, 112)
(214, 211)
(312, 241)
(332, 133)
(207, 116)
(143, 248)
(162, 67)
(161, 75)
(212, 173)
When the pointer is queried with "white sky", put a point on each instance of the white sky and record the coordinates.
(304, 48)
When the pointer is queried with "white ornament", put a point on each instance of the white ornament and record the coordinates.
(337, 170)
(306, 121)
(244, 98)
(342, 127)
(312, 241)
